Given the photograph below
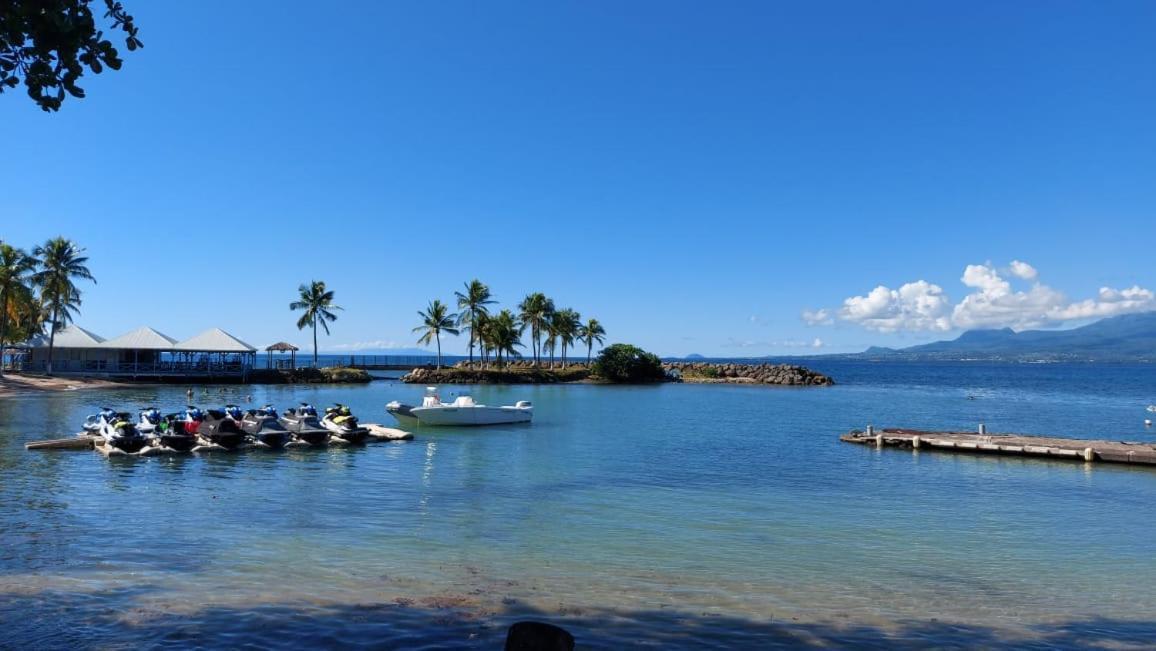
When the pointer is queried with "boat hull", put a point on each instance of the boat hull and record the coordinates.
(275, 439)
(402, 413)
(128, 444)
(472, 416)
(178, 442)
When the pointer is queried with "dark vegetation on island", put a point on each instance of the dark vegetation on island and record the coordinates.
(620, 364)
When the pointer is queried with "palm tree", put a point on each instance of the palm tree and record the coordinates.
(15, 294)
(473, 304)
(591, 332)
(550, 337)
(534, 311)
(504, 333)
(436, 319)
(566, 323)
(60, 262)
(483, 331)
(318, 305)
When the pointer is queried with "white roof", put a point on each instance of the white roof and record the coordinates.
(70, 336)
(143, 338)
(215, 340)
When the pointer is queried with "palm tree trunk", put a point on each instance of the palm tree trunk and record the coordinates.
(563, 353)
(51, 339)
(314, 341)
(438, 334)
(473, 329)
(589, 348)
(3, 329)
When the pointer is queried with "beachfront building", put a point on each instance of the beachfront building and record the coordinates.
(140, 354)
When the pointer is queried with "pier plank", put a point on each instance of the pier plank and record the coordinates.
(1085, 450)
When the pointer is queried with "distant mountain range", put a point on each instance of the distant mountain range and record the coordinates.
(1131, 337)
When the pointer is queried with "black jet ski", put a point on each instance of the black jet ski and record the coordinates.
(263, 426)
(302, 423)
(174, 432)
(122, 434)
(342, 423)
(219, 429)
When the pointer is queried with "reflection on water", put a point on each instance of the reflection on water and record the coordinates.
(684, 515)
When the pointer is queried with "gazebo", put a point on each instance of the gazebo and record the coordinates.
(281, 347)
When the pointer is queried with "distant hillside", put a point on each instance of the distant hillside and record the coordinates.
(1131, 337)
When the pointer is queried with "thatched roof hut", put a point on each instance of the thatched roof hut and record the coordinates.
(281, 347)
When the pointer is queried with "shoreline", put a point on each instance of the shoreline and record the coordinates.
(14, 385)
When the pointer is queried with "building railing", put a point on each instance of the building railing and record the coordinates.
(374, 360)
(103, 367)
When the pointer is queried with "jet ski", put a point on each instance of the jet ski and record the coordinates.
(120, 433)
(94, 422)
(150, 420)
(263, 426)
(343, 424)
(219, 429)
(173, 433)
(302, 423)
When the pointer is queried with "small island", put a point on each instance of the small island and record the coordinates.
(619, 364)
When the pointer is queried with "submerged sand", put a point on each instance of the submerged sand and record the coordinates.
(16, 384)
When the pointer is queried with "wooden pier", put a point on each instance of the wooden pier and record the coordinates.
(1008, 444)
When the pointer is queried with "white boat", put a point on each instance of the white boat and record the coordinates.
(462, 411)
(1152, 408)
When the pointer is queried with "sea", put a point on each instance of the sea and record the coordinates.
(674, 516)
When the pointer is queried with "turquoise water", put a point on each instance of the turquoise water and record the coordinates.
(687, 516)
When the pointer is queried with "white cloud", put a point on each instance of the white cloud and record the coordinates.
(1109, 302)
(817, 343)
(993, 303)
(818, 317)
(996, 305)
(1023, 270)
(915, 306)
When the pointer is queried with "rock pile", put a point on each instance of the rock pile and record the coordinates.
(777, 374)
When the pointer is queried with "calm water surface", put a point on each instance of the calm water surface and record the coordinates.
(685, 516)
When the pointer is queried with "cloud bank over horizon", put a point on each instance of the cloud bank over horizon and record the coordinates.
(993, 302)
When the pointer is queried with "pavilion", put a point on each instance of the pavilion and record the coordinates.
(141, 353)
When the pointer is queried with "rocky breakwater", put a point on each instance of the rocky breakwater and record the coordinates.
(732, 373)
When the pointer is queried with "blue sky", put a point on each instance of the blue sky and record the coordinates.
(696, 176)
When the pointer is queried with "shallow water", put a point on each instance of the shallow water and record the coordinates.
(679, 515)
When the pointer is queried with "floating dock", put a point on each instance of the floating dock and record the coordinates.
(981, 442)
(87, 442)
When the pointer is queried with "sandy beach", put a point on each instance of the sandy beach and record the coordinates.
(16, 384)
